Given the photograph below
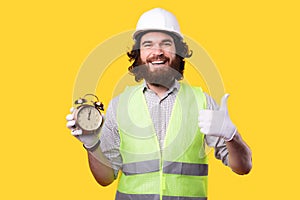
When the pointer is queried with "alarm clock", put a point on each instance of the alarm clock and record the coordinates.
(88, 115)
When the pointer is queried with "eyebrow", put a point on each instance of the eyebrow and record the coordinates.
(165, 40)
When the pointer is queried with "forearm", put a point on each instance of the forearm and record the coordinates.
(100, 167)
(240, 156)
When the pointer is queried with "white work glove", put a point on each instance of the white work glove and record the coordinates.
(88, 140)
(217, 122)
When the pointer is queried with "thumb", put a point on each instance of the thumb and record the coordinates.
(223, 105)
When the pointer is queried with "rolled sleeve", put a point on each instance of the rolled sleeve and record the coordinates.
(110, 139)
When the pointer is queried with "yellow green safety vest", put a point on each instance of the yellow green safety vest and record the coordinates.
(180, 171)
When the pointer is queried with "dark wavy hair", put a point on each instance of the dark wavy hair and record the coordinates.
(182, 52)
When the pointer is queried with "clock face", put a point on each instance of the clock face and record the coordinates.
(89, 118)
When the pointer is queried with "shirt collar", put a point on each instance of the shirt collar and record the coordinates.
(174, 87)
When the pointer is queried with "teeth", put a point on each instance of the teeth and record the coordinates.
(157, 62)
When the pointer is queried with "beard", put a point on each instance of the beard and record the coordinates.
(159, 76)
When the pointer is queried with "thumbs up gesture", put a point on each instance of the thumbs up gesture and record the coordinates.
(217, 122)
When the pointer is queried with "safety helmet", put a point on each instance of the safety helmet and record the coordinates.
(157, 19)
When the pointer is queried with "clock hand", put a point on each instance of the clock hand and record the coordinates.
(89, 117)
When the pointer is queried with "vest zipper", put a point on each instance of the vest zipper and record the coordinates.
(161, 181)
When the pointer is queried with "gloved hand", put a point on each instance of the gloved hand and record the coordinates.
(217, 122)
(88, 140)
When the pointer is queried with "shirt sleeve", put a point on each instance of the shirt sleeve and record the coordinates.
(217, 143)
(110, 138)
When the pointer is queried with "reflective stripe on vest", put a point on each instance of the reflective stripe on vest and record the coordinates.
(141, 167)
(190, 169)
(124, 196)
(149, 166)
(181, 171)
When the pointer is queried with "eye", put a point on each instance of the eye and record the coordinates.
(167, 43)
(147, 45)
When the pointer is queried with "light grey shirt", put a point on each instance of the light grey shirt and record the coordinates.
(160, 111)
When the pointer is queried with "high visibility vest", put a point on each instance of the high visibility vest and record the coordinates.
(180, 170)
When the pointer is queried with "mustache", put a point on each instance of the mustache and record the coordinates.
(158, 58)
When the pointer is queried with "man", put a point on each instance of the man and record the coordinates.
(156, 132)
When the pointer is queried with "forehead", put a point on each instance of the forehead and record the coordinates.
(156, 36)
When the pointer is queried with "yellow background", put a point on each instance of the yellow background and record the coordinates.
(254, 44)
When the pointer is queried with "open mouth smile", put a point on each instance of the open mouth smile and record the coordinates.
(158, 62)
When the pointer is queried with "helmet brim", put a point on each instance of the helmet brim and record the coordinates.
(138, 33)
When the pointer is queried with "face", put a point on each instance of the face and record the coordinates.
(158, 61)
(157, 50)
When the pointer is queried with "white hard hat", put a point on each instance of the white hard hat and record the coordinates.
(157, 19)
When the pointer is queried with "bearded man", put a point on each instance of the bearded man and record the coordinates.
(156, 132)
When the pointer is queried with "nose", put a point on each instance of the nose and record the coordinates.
(157, 50)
